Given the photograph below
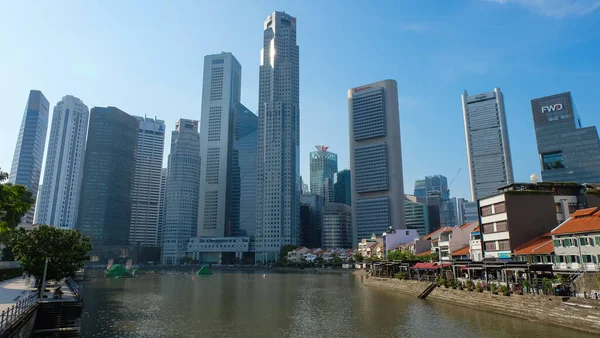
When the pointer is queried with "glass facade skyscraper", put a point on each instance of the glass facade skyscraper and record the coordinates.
(568, 152)
(433, 191)
(417, 215)
(488, 149)
(108, 174)
(337, 226)
(342, 189)
(59, 197)
(29, 152)
(311, 216)
(375, 159)
(323, 166)
(430, 183)
(243, 174)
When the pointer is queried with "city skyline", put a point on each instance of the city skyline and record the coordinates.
(514, 67)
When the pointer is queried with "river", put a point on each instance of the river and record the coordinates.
(238, 304)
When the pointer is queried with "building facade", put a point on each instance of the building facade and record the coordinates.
(221, 92)
(311, 216)
(144, 228)
(431, 183)
(59, 197)
(488, 149)
(161, 205)
(577, 242)
(323, 166)
(433, 191)
(568, 152)
(337, 226)
(26, 166)
(375, 159)
(416, 215)
(278, 161)
(466, 212)
(342, 188)
(108, 174)
(182, 191)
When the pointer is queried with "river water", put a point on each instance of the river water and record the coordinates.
(238, 304)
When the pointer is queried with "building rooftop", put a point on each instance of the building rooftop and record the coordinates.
(424, 253)
(466, 225)
(538, 246)
(438, 232)
(477, 229)
(585, 220)
(461, 252)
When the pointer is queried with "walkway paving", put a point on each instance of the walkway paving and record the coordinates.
(12, 290)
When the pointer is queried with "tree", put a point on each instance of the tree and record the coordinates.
(358, 257)
(337, 260)
(66, 250)
(319, 260)
(186, 260)
(283, 252)
(15, 201)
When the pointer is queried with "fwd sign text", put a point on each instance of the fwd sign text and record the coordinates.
(554, 107)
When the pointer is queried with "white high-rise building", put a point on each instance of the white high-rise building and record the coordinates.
(161, 204)
(220, 101)
(278, 159)
(145, 192)
(488, 150)
(375, 160)
(59, 196)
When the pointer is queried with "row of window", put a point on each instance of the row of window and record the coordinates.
(576, 259)
(493, 209)
(572, 242)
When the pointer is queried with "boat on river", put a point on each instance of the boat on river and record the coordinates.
(204, 271)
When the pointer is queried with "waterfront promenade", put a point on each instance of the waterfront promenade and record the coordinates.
(15, 289)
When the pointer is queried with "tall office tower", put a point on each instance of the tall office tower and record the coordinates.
(375, 160)
(323, 165)
(29, 152)
(220, 100)
(59, 197)
(430, 183)
(568, 151)
(278, 161)
(342, 190)
(304, 187)
(243, 177)
(417, 215)
(182, 191)
(337, 226)
(146, 184)
(161, 205)
(433, 191)
(108, 173)
(488, 149)
(311, 216)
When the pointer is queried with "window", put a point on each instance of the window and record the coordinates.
(488, 228)
(501, 226)
(587, 258)
(490, 246)
(504, 245)
(598, 240)
(556, 243)
(584, 241)
(499, 207)
(553, 161)
(486, 211)
(572, 207)
(558, 208)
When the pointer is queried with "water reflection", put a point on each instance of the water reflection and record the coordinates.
(282, 305)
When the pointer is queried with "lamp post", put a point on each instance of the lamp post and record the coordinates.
(41, 294)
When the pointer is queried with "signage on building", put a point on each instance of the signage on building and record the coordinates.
(480, 96)
(359, 89)
(551, 108)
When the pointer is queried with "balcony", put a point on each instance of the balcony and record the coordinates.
(475, 244)
(444, 244)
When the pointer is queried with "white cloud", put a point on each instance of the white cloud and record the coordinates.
(556, 9)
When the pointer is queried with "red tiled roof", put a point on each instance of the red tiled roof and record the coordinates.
(436, 240)
(461, 252)
(585, 220)
(438, 231)
(428, 252)
(538, 246)
(476, 229)
(466, 225)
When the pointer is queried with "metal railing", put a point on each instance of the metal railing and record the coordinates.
(74, 288)
(14, 313)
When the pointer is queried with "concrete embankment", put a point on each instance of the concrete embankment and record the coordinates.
(544, 309)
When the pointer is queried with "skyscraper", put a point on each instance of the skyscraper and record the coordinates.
(278, 166)
(430, 183)
(337, 226)
(433, 191)
(182, 191)
(108, 173)
(342, 189)
(375, 159)
(488, 149)
(59, 197)
(161, 205)
(417, 215)
(220, 100)
(466, 212)
(568, 151)
(243, 177)
(29, 152)
(146, 184)
(323, 166)
(311, 216)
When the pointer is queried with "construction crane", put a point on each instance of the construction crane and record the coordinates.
(455, 175)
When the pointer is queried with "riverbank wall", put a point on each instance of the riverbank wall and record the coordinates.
(543, 309)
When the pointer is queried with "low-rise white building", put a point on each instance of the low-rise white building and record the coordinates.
(576, 241)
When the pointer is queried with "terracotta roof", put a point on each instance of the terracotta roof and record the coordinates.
(585, 220)
(538, 246)
(425, 253)
(476, 229)
(436, 240)
(466, 225)
(461, 252)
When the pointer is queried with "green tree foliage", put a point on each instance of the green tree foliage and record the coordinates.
(319, 260)
(337, 260)
(15, 200)
(285, 249)
(401, 255)
(67, 250)
(358, 257)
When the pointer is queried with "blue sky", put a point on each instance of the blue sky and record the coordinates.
(145, 57)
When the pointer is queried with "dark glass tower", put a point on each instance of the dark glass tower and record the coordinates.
(243, 174)
(323, 165)
(29, 152)
(342, 190)
(568, 152)
(108, 173)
